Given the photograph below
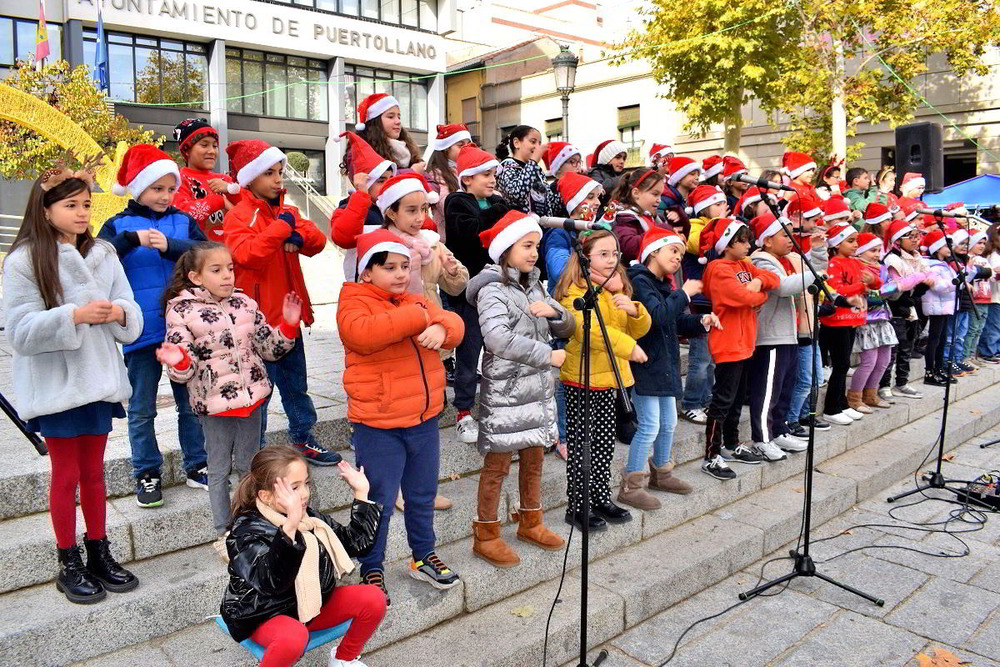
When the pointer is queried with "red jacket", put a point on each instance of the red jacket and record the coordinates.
(202, 203)
(348, 223)
(845, 279)
(256, 237)
(390, 380)
(725, 284)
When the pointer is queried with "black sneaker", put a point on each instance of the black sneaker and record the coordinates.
(377, 578)
(148, 492)
(317, 454)
(718, 469)
(797, 429)
(741, 454)
(611, 513)
(197, 478)
(449, 371)
(433, 570)
(595, 523)
(818, 424)
(968, 369)
(934, 379)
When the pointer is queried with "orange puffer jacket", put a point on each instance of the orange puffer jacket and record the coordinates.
(391, 381)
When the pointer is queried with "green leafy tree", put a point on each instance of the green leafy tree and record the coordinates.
(170, 78)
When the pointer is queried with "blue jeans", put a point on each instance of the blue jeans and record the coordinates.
(288, 374)
(657, 421)
(958, 325)
(561, 410)
(467, 354)
(989, 342)
(798, 409)
(407, 459)
(700, 375)
(144, 372)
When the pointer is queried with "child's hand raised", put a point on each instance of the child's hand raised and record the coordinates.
(754, 285)
(451, 264)
(542, 309)
(432, 337)
(692, 287)
(638, 355)
(291, 309)
(623, 302)
(288, 500)
(355, 478)
(711, 320)
(360, 181)
(169, 354)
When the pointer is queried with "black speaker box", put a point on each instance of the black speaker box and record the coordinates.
(919, 148)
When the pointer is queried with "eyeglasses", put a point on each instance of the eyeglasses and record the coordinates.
(606, 255)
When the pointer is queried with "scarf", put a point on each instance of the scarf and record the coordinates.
(421, 254)
(613, 286)
(307, 586)
(400, 153)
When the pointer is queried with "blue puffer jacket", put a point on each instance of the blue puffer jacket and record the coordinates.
(557, 245)
(148, 270)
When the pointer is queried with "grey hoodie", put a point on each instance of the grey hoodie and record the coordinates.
(777, 322)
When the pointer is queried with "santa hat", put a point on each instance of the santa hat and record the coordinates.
(911, 181)
(839, 233)
(897, 230)
(764, 226)
(977, 236)
(704, 196)
(658, 152)
(399, 186)
(364, 159)
(507, 232)
(143, 165)
(449, 135)
(732, 165)
(374, 106)
(751, 196)
(796, 163)
(909, 209)
(866, 241)
(250, 158)
(607, 150)
(574, 188)
(806, 205)
(680, 167)
(933, 241)
(716, 236)
(956, 207)
(711, 166)
(381, 240)
(835, 208)
(474, 160)
(876, 213)
(190, 131)
(959, 236)
(556, 154)
(655, 238)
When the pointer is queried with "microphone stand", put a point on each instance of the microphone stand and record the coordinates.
(803, 562)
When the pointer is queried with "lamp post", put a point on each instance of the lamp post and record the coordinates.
(564, 68)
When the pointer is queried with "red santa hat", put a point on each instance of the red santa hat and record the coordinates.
(399, 186)
(250, 158)
(897, 229)
(364, 159)
(751, 196)
(835, 208)
(796, 164)
(449, 135)
(876, 213)
(381, 240)
(704, 196)
(658, 152)
(764, 226)
(143, 165)
(933, 241)
(556, 154)
(732, 165)
(507, 232)
(909, 207)
(574, 188)
(866, 241)
(680, 167)
(474, 160)
(911, 181)
(607, 150)
(838, 233)
(374, 106)
(655, 238)
(959, 236)
(806, 205)
(716, 236)
(711, 166)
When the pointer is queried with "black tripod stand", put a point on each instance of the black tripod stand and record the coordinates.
(804, 565)
(33, 438)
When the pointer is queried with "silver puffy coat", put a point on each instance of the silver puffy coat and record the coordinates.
(517, 406)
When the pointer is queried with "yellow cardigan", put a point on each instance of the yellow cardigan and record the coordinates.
(623, 331)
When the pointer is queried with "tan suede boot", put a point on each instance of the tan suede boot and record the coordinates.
(871, 397)
(633, 491)
(855, 403)
(662, 478)
(488, 544)
(531, 528)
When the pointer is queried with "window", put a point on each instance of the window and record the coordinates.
(411, 92)
(554, 129)
(272, 84)
(316, 173)
(628, 132)
(17, 41)
(149, 70)
(421, 14)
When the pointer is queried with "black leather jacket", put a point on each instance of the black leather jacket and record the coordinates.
(263, 563)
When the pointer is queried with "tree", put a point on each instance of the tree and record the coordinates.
(170, 78)
(24, 154)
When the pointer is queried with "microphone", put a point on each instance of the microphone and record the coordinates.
(761, 182)
(941, 213)
(569, 224)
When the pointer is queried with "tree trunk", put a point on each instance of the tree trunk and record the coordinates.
(838, 114)
(734, 124)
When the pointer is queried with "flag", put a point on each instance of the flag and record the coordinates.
(41, 35)
(101, 69)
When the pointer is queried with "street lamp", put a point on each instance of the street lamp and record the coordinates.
(564, 68)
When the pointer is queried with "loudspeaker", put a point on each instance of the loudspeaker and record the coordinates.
(919, 148)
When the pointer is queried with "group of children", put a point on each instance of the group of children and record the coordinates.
(450, 279)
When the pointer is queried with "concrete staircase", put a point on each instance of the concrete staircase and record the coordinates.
(639, 569)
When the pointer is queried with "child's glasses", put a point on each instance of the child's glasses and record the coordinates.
(606, 255)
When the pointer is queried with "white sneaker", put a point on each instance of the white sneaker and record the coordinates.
(885, 393)
(337, 662)
(790, 443)
(840, 419)
(770, 451)
(853, 414)
(468, 430)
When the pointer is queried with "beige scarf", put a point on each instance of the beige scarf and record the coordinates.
(314, 532)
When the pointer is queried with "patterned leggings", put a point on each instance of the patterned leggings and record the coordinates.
(602, 444)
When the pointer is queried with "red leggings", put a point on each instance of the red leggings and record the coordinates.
(286, 638)
(77, 462)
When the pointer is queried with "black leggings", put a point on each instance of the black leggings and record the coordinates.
(839, 341)
(934, 352)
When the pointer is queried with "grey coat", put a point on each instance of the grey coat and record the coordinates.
(517, 406)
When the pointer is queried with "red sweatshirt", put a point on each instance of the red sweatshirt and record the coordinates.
(202, 203)
(725, 285)
(845, 279)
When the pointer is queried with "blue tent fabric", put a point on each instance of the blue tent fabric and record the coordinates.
(977, 192)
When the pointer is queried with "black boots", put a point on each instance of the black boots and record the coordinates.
(105, 568)
(612, 513)
(75, 581)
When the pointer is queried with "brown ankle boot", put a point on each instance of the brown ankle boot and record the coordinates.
(871, 397)
(662, 478)
(488, 544)
(531, 529)
(855, 403)
(633, 491)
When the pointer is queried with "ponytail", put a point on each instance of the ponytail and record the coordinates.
(505, 148)
(266, 467)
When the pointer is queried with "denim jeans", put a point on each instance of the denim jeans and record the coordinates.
(958, 326)
(700, 375)
(798, 409)
(657, 421)
(288, 374)
(144, 372)
(467, 355)
(561, 410)
(989, 342)
(977, 321)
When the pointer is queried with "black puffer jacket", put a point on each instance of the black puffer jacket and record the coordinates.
(263, 563)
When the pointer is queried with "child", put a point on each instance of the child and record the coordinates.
(517, 400)
(442, 171)
(875, 339)
(989, 342)
(752, 204)
(560, 158)
(380, 123)
(711, 170)
(911, 189)
(396, 389)
(800, 169)
(607, 165)
(885, 181)
(286, 560)
(859, 191)
(876, 219)
(266, 236)
(208, 326)
(961, 322)
(683, 179)
(775, 361)
(658, 379)
(659, 158)
(732, 166)
(468, 213)
(638, 195)
(519, 178)
(357, 214)
(938, 306)
(203, 194)
(828, 179)
(150, 235)
(736, 288)
(627, 321)
(67, 306)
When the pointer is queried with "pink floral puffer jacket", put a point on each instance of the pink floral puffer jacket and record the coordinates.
(227, 342)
